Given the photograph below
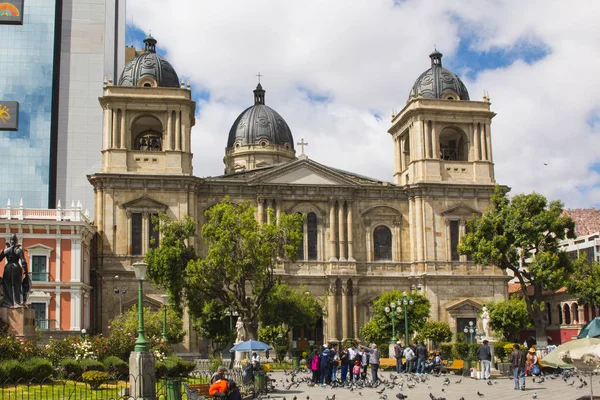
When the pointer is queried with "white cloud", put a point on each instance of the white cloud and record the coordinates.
(365, 55)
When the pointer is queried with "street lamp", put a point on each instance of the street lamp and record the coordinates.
(141, 344)
(120, 292)
(471, 329)
(165, 300)
(405, 301)
(392, 310)
(231, 314)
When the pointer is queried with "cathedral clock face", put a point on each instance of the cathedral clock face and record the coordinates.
(11, 12)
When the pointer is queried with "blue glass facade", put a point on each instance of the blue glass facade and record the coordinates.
(26, 76)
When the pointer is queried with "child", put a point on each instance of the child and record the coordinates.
(356, 370)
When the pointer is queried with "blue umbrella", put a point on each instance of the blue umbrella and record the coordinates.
(590, 330)
(251, 345)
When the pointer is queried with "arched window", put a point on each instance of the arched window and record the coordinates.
(453, 145)
(149, 141)
(311, 228)
(575, 313)
(549, 313)
(382, 243)
(300, 253)
(560, 314)
(567, 311)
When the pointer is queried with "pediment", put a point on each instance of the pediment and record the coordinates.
(461, 210)
(39, 248)
(304, 173)
(464, 305)
(144, 203)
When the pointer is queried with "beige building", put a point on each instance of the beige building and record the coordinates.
(362, 236)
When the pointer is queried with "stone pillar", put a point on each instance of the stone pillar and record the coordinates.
(107, 125)
(268, 203)
(419, 227)
(169, 132)
(350, 233)
(489, 143)
(115, 129)
(345, 316)
(401, 143)
(342, 230)
(484, 150)
(261, 210)
(476, 153)
(123, 128)
(355, 308)
(581, 314)
(277, 210)
(178, 130)
(427, 138)
(332, 312)
(332, 236)
(435, 142)
(397, 155)
(142, 375)
(145, 231)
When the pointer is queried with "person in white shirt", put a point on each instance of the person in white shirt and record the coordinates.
(255, 361)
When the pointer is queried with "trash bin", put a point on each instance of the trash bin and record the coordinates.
(260, 382)
(173, 387)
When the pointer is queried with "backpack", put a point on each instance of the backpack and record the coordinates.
(410, 354)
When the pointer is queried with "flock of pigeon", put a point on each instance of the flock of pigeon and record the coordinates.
(402, 384)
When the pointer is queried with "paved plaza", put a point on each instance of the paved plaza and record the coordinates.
(457, 388)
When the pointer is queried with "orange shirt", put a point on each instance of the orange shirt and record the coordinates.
(218, 386)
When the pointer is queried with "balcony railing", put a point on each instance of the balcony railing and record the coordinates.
(40, 276)
(46, 324)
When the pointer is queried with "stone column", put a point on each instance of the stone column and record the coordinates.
(277, 210)
(477, 153)
(115, 129)
(178, 130)
(332, 236)
(345, 321)
(401, 143)
(355, 308)
(169, 132)
(332, 312)
(581, 314)
(123, 128)
(419, 227)
(427, 138)
(435, 142)
(261, 210)
(128, 228)
(397, 155)
(350, 232)
(342, 230)
(484, 150)
(145, 231)
(106, 127)
(489, 142)
(268, 203)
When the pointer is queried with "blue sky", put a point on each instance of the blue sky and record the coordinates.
(336, 71)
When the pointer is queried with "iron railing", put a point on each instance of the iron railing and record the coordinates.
(46, 324)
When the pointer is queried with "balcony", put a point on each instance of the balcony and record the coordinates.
(46, 324)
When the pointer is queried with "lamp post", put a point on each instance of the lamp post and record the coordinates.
(142, 370)
(231, 314)
(405, 301)
(471, 329)
(392, 310)
(165, 300)
(120, 292)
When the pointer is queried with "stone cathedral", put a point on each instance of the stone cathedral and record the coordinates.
(362, 236)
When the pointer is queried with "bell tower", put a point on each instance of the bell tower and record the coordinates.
(441, 136)
(148, 118)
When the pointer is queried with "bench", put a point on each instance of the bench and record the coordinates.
(197, 392)
(455, 366)
(389, 362)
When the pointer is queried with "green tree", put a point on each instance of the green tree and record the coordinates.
(379, 328)
(509, 317)
(522, 236)
(290, 307)
(238, 269)
(277, 336)
(212, 322)
(436, 331)
(585, 281)
(167, 263)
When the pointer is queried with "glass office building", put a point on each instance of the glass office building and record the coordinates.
(27, 76)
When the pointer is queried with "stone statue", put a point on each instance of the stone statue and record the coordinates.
(239, 328)
(485, 320)
(16, 289)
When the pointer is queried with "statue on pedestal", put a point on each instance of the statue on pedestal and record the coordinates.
(16, 283)
(239, 328)
(485, 320)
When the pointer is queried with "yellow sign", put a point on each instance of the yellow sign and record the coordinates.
(4, 114)
(9, 115)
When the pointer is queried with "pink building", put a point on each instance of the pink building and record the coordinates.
(58, 247)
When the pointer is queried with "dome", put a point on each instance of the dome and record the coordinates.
(149, 69)
(439, 83)
(260, 124)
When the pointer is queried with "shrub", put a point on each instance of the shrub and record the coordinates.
(173, 367)
(446, 351)
(59, 350)
(500, 351)
(70, 369)
(461, 350)
(15, 370)
(116, 367)
(10, 348)
(472, 354)
(95, 378)
(38, 369)
(91, 365)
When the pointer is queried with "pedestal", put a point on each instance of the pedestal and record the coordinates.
(21, 322)
(142, 376)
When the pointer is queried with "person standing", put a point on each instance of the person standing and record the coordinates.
(421, 358)
(484, 354)
(324, 365)
(398, 356)
(345, 363)
(334, 360)
(314, 367)
(517, 362)
(373, 360)
(409, 355)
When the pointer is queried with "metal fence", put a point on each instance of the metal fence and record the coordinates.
(114, 389)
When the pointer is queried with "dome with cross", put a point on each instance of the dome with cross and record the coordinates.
(260, 125)
(439, 83)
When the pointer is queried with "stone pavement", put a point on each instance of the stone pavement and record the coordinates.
(501, 389)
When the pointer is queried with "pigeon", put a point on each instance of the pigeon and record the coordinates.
(480, 394)
(571, 384)
(535, 395)
(380, 391)
(401, 396)
(489, 383)
(459, 381)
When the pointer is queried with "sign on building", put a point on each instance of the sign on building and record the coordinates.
(9, 115)
(11, 12)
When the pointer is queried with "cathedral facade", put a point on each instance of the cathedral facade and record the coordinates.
(362, 236)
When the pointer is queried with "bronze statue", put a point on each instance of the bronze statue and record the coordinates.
(14, 286)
